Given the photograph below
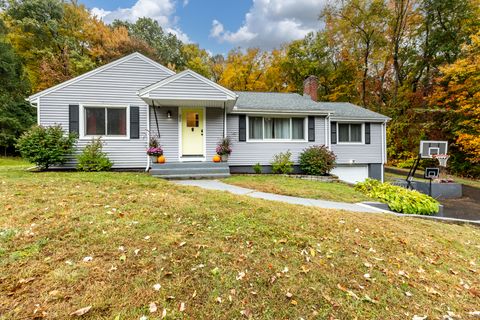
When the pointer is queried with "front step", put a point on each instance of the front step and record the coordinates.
(190, 170)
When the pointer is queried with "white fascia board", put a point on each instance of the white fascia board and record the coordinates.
(281, 112)
(359, 119)
(98, 70)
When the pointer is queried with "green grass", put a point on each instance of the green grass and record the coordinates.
(466, 181)
(197, 243)
(288, 186)
(13, 161)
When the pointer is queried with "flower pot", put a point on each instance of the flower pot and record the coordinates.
(161, 159)
(224, 157)
(153, 159)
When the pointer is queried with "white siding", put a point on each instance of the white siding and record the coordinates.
(249, 153)
(215, 120)
(363, 153)
(116, 85)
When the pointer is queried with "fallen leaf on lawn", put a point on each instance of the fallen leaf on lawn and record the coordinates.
(182, 244)
(80, 312)
(147, 238)
(367, 264)
(143, 318)
(152, 307)
(112, 268)
(415, 317)
(294, 302)
(240, 275)
(194, 294)
(433, 291)
(27, 280)
(285, 270)
(121, 248)
(368, 299)
(170, 297)
(475, 314)
(289, 295)
(164, 313)
(219, 299)
(156, 286)
(349, 292)
(123, 257)
(366, 275)
(403, 274)
(136, 251)
(305, 269)
(408, 293)
(372, 250)
(247, 313)
(181, 308)
(87, 259)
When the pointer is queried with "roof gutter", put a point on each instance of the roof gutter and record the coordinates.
(287, 112)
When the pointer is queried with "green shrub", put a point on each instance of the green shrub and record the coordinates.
(317, 160)
(398, 198)
(46, 146)
(282, 163)
(93, 158)
(257, 168)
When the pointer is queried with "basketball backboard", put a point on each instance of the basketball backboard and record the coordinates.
(429, 148)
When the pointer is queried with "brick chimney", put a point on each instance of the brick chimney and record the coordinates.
(310, 87)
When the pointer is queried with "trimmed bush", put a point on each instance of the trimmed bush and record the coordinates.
(282, 163)
(257, 168)
(93, 158)
(46, 146)
(317, 160)
(398, 198)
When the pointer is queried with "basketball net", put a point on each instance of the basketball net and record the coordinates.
(442, 159)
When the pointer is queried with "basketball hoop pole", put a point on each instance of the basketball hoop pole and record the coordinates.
(412, 171)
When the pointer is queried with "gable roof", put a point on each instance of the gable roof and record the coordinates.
(98, 70)
(199, 79)
(271, 102)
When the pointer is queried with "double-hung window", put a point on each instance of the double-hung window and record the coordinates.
(106, 121)
(271, 128)
(350, 133)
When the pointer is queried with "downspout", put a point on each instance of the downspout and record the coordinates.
(224, 120)
(148, 137)
(384, 146)
(329, 132)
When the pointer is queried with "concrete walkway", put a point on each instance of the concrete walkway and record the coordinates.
(356, 207)
(220, 186)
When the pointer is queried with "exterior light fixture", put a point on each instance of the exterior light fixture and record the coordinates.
(169, 114)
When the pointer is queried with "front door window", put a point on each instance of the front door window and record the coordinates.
(192, 132)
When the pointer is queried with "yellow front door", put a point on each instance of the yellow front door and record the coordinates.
(192, 131)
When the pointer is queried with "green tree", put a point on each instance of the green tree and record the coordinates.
(16, 115)
(167, 47)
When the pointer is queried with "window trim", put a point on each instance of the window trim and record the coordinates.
(350, 142)
(82, 121)
(263, 116)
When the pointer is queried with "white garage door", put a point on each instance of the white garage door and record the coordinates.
(351, 174)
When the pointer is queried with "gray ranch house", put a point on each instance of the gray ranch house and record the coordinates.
(133, 98)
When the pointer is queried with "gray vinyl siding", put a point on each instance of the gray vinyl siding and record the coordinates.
(362, 153)
(116, 85)
(249, 153)
(168, 135)
(215, 120)
(197, 90)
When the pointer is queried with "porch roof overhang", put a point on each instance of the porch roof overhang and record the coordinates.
(188, 89)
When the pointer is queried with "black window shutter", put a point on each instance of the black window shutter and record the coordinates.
(333, 131)
(242, 128)
(73, 118)
(134, 123)
(367, 133)
(311, 128)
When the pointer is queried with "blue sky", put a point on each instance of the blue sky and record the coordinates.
(220, 25)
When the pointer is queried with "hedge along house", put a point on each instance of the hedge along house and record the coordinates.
(131, 99)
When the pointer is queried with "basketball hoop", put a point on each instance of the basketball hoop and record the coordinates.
(442, 159)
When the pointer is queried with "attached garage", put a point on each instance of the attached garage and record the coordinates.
(351, 174)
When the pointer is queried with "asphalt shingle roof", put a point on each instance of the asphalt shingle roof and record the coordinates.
(283, 102)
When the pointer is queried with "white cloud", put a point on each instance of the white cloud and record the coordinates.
(161, 10)
(185, 3)
(269, 23)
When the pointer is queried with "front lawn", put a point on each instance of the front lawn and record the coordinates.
(288, 186)
(72, 240)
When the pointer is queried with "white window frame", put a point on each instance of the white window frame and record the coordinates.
(349, 142)
(82, 122)
(305, 128)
